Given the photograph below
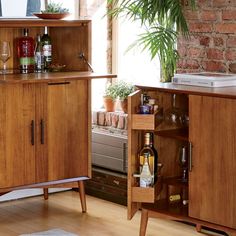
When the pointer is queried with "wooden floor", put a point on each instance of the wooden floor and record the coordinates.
(63, 211)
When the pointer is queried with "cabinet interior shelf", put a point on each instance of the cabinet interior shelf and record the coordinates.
(175, 181)
(181, 134)
(176, 210)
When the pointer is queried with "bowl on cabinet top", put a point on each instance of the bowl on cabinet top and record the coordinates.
(52, 16)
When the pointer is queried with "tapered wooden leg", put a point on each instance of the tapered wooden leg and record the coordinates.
(143, 222)
(82, 196)
(45, 193)
(198, 228)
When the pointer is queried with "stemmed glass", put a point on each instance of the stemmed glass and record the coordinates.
(174, 116)
(4, 54)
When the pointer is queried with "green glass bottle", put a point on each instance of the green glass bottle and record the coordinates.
(47, 49)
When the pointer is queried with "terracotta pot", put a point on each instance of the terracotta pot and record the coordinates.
(124, 105)
(109, 104)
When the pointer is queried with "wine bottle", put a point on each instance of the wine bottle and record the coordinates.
(155, 157)
(47, 49)
(146, 178)
(38, 56)
(149, 150)
(26, 52)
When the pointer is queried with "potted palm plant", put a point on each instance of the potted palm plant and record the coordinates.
(163, 21)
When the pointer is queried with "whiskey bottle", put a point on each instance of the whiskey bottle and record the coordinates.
(25, 48)
(146, 178)
(149, 150)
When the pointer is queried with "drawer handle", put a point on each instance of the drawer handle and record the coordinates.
(32, 132)
(190, 157)
(58, 83)
(42, 131)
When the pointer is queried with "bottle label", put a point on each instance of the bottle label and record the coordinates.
(47, 50)
(26, 61)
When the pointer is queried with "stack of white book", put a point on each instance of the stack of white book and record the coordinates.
(205, 79)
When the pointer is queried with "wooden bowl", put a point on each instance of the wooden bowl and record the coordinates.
(52, 16)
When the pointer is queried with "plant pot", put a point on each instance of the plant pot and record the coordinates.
(124, 105)
(109, 104)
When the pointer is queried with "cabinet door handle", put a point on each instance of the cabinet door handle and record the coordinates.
(42, 131)
(32, 132)
(59, 83)
(190, 156)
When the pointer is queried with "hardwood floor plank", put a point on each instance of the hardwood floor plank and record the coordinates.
(63, 210)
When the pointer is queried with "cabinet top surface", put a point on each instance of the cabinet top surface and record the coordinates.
(51, 77)
(35, 22)
(227, 92)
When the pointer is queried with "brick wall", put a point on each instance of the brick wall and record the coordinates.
(212, 44)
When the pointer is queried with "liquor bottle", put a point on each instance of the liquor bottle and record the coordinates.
(155, 159)
(148, 149)
(38, 56)
(47, 49)
(26, 52)
(146, 178)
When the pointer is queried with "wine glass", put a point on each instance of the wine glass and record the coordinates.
(183, 162)
(174, 116)
(4, 54)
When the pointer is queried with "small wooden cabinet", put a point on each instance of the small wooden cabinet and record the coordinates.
(45, 118)
(210, 138)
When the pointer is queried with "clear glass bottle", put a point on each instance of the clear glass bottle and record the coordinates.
(47, 49)
(26, 52)
(38, 56)
(149, 150)
(146, 178)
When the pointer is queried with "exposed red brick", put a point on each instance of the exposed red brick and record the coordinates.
(230, 55)
(208, 15)
(214, 54)
(220, 3)
(203, 3)
(232, 67)
(204, 41)
(231, 42)
(195, 52)
(188, 64)
(229, 15)
(182, 51)
(214, 66)
(200, 27)
(225, 28)
(218, 41)
(191, 15)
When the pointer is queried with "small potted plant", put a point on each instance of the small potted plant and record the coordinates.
(123, 90)
(109, 98)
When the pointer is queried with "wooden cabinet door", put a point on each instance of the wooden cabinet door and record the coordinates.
(68, 129)
(212, 181)
(17, 136)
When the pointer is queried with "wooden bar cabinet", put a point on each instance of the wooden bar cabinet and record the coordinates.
(45, 118)
(211, 140)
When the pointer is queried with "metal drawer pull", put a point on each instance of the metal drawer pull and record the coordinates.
(190, 157)
(42, 131)
(59, 83)
(32, 132)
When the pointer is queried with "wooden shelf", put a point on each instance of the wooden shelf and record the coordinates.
(175, 181)
(181, 134)
(176, 210)
(140, 194)
(147, 121)
(31, 22)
